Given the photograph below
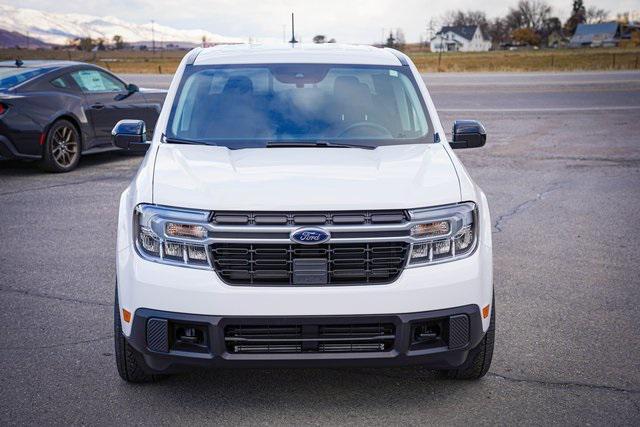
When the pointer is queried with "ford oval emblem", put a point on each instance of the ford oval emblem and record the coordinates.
(310, 236)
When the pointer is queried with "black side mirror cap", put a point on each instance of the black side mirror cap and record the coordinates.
(468, 134)
(131, 88)
(130, 135)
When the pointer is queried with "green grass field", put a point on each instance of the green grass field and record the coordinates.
(524, 60)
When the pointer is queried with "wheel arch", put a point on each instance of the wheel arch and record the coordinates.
(71, 119)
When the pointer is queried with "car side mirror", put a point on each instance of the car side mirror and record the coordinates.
(130, 135)
(468, 134)
(131, 88)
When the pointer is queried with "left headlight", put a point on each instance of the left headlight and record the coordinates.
(443, 234)
(172, 236)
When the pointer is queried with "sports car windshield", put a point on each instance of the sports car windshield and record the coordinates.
(258, 105)
(13, 76)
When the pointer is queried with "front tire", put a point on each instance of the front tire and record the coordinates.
(479, 359)
(62, 147)
(131, 365)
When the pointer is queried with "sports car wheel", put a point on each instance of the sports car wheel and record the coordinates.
(62, 147)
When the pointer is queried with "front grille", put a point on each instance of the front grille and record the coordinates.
(309, 218)
(293, 338)
(273, 264)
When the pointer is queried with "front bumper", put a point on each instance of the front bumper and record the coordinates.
(145, 284)
(154, 335)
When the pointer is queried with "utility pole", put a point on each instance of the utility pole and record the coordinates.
(293, 30)
(153, 38)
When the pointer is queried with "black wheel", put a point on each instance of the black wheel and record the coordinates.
(62, 147)
(130, 363)
(479, 359)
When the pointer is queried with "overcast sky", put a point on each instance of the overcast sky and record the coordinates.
(349, 21)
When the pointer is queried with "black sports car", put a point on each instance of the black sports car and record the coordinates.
(54, 112)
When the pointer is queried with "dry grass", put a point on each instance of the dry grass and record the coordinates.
(529, 60)
(122, 61)
(526, 60)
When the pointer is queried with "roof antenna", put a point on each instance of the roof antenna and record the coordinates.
(19, 62)
(293, 31)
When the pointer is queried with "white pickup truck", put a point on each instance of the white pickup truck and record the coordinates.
(301, 206)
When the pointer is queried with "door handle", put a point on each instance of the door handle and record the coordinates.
(97, 106)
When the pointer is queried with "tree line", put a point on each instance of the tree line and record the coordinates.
(529, 22)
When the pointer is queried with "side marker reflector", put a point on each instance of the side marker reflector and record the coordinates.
(126, 315)
(42, 137)
(485, 311)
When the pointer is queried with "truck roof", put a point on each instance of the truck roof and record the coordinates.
(324, 53)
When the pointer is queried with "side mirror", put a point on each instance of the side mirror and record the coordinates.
(468, 134)
(131, 89)
(130, 135)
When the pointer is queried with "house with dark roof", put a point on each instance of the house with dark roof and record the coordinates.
(606, 34)
(463, 38)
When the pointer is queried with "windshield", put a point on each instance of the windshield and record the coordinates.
(13, 76)
(251, 105)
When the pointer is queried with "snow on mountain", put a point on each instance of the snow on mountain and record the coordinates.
(58, 28)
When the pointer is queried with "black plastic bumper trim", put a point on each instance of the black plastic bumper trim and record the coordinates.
(9, 151)
(217, 356)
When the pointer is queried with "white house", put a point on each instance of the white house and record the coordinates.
(463, 38)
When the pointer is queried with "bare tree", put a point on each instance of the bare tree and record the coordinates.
(391, 41)
(578, 16)
(499, 31)
(432, 28)
(623, 18)
(514, 20)
(118, 42)
(470, 17)
(595, 15)
(400, 40)
(534, 13)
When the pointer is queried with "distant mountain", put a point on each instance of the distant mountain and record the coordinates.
(59, 28)
(11, 39)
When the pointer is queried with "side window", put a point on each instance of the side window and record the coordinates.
(60, 83)
(92, 81)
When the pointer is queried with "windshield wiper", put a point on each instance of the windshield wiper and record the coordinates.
(304, 144)
(185, 141)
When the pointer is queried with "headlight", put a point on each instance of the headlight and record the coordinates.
(443, 234)
(172, 236)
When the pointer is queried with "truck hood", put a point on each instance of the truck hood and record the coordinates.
(299, 179)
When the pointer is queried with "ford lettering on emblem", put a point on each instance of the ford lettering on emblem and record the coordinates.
(310, 236)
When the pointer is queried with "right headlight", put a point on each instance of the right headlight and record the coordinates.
(172, 236)
(443, 234)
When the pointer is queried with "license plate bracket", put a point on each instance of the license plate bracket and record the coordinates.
(310, 271)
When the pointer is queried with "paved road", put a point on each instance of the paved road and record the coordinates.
(563, 179)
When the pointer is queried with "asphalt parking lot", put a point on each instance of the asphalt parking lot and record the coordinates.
(561, 170)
